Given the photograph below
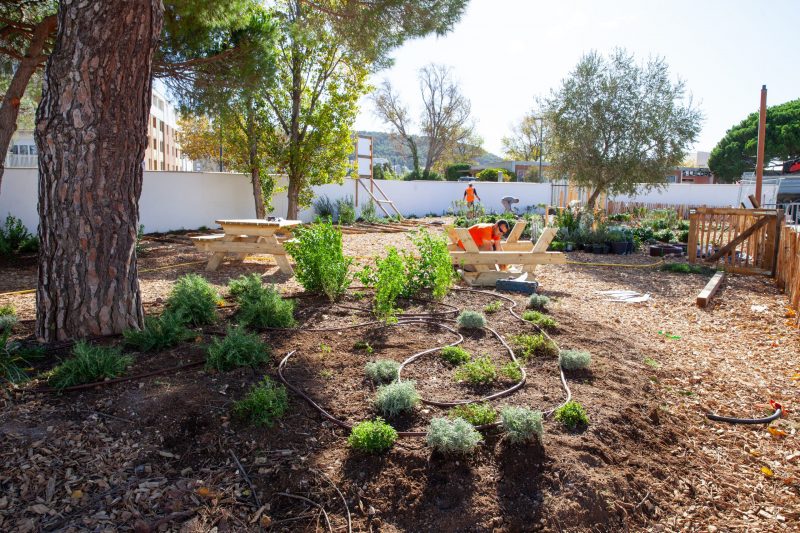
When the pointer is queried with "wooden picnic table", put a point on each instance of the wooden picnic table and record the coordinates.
(248, 236)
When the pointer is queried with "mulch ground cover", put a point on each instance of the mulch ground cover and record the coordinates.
(160, 453)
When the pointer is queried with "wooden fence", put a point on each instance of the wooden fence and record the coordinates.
(788, 271)
(613, 207)
(741, 240)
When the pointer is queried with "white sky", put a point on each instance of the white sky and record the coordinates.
(505, 52)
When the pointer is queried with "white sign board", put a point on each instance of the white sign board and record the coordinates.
(364, 154)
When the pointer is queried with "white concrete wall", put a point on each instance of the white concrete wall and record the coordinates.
(723, 195)
(170, 200)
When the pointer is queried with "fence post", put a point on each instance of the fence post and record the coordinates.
(691, 246)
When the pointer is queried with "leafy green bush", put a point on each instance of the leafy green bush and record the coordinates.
(372, 436)
(397, 397)
(477, 372)
(8, 318)
(471, 320)
(538, 301)
(574, 359)
(325, 208)
(264, 404)
(453, 172)
(321, 266)
(512, 371)
(15, 238)
(14, 358)
(664, 235)
(572, 414)
(158, 334)
(431, 267)
(266, 309)
(237, 348)
(369, 214)
(540, 319)
(347, 210)
(493, 307)
(245, 286)
(139, 237)
(528, 346)
(455, 355)
(89, 364)
(477, 414)
(193, 300)
(452, 436)
(491, 174)
(382, 370)
(363, 345)
(390, 284)
(521, 424)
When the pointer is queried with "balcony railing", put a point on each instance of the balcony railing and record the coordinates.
(21, 161)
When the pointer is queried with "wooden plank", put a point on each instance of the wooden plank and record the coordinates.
(754, 201)
(469, 245)
(281, 259)
(733, 211)
(487, 279)
(235, 229)
(258, 223)
(739, 239)
(207, 238)
(242, 247)
(508, 258)
(545, 239)
(451, 232)
(516, 232)
(710, 289)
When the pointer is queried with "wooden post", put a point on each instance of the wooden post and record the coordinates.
(762, 129)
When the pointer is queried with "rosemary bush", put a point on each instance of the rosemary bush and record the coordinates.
(158, 333)
(237, 348)
(193, 300)
(264, 404)
(397, 397)
(521, 424)
(455, 436)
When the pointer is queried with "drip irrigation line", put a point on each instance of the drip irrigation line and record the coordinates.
(731, 420)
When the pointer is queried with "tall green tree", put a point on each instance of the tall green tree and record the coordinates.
(528, 137)
(735, 153)
(618, 126)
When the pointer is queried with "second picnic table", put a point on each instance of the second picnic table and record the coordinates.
(248, 236)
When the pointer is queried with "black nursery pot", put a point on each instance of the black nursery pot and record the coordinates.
(619, 248)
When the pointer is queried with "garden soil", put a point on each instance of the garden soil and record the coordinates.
(160, 453)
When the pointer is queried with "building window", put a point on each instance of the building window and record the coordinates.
(162, 165)
(154, 122)
(154, 143)
(162, 146)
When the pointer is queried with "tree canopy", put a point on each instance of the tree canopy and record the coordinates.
(735, 153)
(617, 125)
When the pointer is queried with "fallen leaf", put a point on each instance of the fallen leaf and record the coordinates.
(755, 453)
(77, 494)
(777, 433)
(204, 492)
(767, 471)
(39, 508)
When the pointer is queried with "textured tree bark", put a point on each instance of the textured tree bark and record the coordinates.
(255, 170)
(293, 194)
(9, 109)
(91, 134)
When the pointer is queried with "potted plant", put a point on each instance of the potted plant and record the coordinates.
(569, 246)
(619, 244)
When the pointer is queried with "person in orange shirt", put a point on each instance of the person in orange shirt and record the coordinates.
(469, 196)
(488, 237)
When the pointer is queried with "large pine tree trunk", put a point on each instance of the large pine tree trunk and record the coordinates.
(91, 132)
(9, 108)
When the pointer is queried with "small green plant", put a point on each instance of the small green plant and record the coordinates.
(540, 319)
(193, 300)
(527, 346)
(574, 359)
(512, 371)
(8, 318)
(266, 310)
(237, 348)
(325, 349)
(521, 424)
(477, 414)
(325, 208)
(382, 370)
(160, 333)
(346, 210)
(139, 236)
(455, 355)
(397, 397)
(493, 307)
(326, 373)
(15, 359)
(471, 320)
(390, 284)
(15, 238)
(372, 436)
(538, 301)
(320, 264)
(89, 364)
(431, 267)
(686, 268)
(264, 404)
(363, 345)
(368, 213)
(652, 363)
(479, 371)
(572, 415)
(455, 436)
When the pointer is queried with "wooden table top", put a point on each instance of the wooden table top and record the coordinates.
(259, 223)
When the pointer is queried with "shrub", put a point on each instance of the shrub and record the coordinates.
(368, 213)
(491, 174)
(664, 235)
(321, 266)
(572, 414)
(193, 300)
(14, 358)
(89, 364)
(528, 346)
(264, 404)
(158, 333)
(538, 301)
(397, 397)
(15, 238)
(455, 355)
(478, 371)
(237, 348)
(266, 309)
(382, 370)
(325, 208)
(431, 267)
(245, 286)
(363, 345)
(139, 236)
(540, 319)
(512, 371)
(390, 284)
(493, 307)
(471, 320)
(686, 268)
(453, 172)
(521, 424)
(8, 318)
(452, 436)
(574, 359)
(372, 436)
(347, 210)
(477, 414)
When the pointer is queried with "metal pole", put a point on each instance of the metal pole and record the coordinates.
(762, 130)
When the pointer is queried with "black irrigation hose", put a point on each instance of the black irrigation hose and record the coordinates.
(730, 420)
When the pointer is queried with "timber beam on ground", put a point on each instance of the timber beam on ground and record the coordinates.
(708, 292)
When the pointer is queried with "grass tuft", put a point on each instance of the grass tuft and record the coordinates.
(89, 364)
(264, 404)
(158, 334)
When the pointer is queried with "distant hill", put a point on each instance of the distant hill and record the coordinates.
(384, 146)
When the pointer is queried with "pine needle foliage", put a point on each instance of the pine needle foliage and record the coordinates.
(159, 333)
(238, 348)
(193, 300)
(89, 364)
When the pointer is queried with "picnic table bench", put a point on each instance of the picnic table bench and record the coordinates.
(248, 236)
(515, 252)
